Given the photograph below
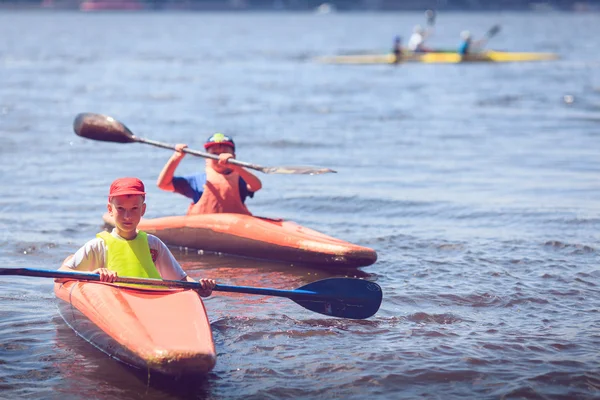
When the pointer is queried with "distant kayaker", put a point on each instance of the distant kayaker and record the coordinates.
(416, 43)
(468, 45)
(126, 251)
(397, 49)
(465, 46)
(222, 188)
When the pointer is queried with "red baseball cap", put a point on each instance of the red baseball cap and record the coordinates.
(124, 186)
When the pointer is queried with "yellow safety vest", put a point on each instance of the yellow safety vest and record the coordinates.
(129, 258)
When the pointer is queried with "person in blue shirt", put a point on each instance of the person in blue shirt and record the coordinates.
(466, 45)
(470, 46)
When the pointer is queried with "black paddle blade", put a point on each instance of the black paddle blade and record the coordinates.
(493, 31)
(430, 14)
(343, 297)
(103, 128)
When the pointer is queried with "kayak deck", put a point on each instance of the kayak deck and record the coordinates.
(165, 331)
(439, 58)
(255, 237)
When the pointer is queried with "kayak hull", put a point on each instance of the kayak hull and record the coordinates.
(439, 58)
(255, 237)
(164, 331)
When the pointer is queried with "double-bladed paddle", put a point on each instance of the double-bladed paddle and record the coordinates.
(107, 129)
(337, 297)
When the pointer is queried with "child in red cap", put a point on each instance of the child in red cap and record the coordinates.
(222, 188)
(126, 251)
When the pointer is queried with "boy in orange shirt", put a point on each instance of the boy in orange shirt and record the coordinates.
(223, 188)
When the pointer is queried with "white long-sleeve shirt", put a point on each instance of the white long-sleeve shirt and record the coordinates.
(93, 255)
(416, 40)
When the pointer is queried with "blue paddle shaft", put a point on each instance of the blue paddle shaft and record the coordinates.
(296, 294)
(338, 297)
(148, 281)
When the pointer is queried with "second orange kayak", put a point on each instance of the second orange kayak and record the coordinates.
(165, 331)
(263, 238)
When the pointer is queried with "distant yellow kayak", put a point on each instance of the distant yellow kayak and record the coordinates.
(439, 58)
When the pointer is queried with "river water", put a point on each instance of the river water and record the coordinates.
(478, 185)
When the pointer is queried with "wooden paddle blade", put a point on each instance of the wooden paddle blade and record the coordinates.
(343, 297)
(296, 170)
(103, 128)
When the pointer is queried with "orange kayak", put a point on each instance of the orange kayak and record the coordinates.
(256, 237)
(165, 331)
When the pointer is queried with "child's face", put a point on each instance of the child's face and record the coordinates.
(127, 211)
(220, 148)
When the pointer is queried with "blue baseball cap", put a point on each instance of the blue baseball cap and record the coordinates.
(219, 138)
